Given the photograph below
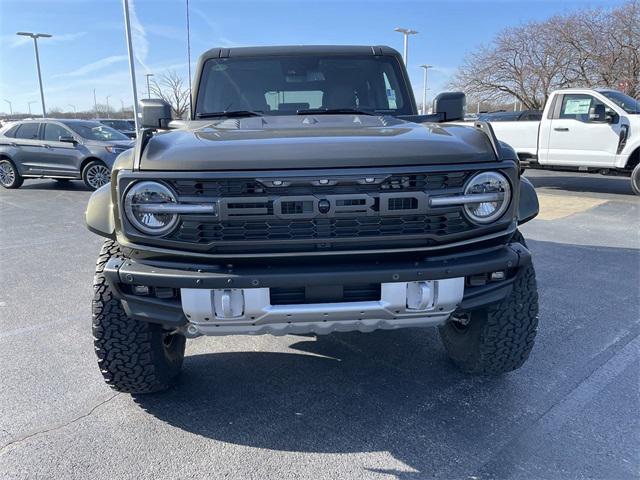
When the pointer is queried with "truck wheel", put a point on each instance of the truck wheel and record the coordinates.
(9, 175)
(133, 356)
(635, 180)
(96, 174)
(496, 339)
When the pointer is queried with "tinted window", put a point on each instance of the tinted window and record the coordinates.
(96, 131)
(117, 124)
(28, 131)
(283, 84)
(11, 132)
(53, 132)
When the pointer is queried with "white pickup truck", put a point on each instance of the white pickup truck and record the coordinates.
(582, 130)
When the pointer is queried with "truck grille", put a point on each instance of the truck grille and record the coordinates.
(311, 214)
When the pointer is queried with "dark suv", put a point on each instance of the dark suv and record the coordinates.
(60, 149)
(306, 196)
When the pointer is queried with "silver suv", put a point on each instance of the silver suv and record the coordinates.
(60, 149)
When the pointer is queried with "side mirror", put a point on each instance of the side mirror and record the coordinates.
(450, 105)
(155, 113)
(611, 117)
(67, 139)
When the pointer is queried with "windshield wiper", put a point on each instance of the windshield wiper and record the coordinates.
(331, 111)
(229, 114)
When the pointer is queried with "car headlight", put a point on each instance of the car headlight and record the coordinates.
(494, 190)
(148, 206)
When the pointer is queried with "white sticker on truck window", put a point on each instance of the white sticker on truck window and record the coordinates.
(577, 106)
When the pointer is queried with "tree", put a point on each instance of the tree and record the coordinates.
(589, 48)
(171, 88)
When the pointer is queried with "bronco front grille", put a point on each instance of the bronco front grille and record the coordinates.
(310, 212)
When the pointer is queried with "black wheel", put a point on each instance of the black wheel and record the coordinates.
(96, 174)
(497, 339)
(635, 180)
(9, 175)
(133, 356)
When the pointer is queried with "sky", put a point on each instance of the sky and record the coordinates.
(88, 48)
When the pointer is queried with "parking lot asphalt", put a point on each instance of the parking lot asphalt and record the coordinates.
(379, 405)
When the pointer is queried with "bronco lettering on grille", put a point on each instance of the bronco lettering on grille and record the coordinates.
(317, 206)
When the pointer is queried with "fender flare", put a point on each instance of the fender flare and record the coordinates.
(528, 206)
(99, 214)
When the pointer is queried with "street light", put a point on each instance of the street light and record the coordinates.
(75, 111)
(406, 32)
(10, 108)
(108, 106)
(132, 68)
(29, 105)
(424, 89)
(35, 37)
(148, 87)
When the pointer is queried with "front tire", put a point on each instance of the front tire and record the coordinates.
(133, 356)
(96, 174)
(635, 180)
(9, 175)
(497, 339)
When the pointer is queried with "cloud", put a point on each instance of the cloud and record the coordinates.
(221, 40)
(93, 66)
(138, 37)
(14, 41)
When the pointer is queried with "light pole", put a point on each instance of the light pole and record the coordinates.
(406, 32)
(189, 55)
(75, 111)
(35, 37)
(148, 86)
(122, 106)
(132, 68)
(29, 105)
(108, 106)
(424, 89)
(10, 108)
(95, 103)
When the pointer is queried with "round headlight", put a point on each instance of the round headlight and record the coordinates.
(493, 192)
(145, 205)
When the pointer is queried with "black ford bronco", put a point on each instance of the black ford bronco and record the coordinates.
(306, 195)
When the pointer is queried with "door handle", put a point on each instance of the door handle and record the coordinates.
(561, 129)
(46, 146)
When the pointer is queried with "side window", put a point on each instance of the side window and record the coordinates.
(28, 131)
(53, 132)
(584, 108)
(11, 133)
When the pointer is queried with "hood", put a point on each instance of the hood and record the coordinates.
(313, 141)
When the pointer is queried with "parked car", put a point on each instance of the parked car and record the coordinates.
(524, 115)
(586, 130)
(305, 195)
(123, 126)
(60, 149)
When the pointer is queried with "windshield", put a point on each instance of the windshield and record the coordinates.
(625, 102)
(283, 85)
(117, 124)
(96, 131)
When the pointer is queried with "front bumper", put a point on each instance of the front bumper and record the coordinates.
(454, 280)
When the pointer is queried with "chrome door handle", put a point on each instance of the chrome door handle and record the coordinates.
(561, 129)
(46, 146)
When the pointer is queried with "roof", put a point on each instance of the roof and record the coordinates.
(299, 50)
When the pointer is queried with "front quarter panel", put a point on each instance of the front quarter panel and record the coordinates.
(99, 213)
(528, 206)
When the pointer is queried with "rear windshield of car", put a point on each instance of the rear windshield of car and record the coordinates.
(282, 85)
(96, 131)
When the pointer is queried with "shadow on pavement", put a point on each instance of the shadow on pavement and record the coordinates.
(588, 183)
(50, 184)
(396, 391)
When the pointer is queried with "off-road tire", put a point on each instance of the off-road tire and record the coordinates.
(133, 356)
(9, 168)
(499, 338)
(635, 180)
